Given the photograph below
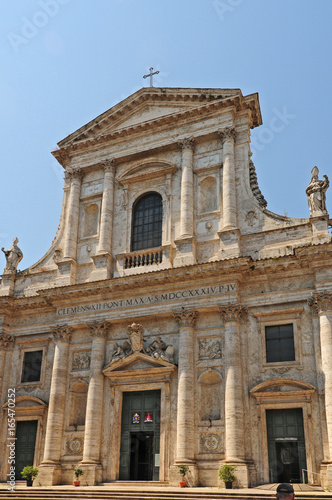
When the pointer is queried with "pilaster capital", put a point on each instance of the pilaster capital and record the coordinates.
(233, 312)
(62, 333)
(109, 165)
(74, 174)
(187, 143)
(320, 302)
(99, 329)
(227, 133)
(6, 342)
(186, 317)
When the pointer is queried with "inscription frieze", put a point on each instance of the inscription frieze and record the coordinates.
(145, 300)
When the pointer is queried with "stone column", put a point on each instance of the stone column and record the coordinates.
(50, 470)
(106, 217)
(232, 316)
(229, 187)
(94, 407)
(187, 189)
(73, 209)
(321, 304)
(6, 344)
(186, 388)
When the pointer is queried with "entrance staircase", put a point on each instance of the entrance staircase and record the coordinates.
(148, 493)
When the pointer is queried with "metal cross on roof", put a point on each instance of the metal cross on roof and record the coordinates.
(151, 75)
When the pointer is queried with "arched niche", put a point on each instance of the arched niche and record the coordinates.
(210, 394)
(78, 399)
(91, 217)
(208, 195)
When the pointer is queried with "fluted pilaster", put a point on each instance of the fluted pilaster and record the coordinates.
(94, 408)
(54, 430)
(186, 320)
(73, 208)
(232, 316)
(106, 217)
(227, 136)
(321, 304)
(187, 188)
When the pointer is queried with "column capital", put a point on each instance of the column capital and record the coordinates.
(74, 173)
(187, 317)
(109, 165)
(227, 133)
(99, 329)
(62, 333)
(233, 312)
(6, 341)
(187, 143)
(320, 302)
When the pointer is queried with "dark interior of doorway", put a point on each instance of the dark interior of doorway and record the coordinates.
(141, 456)
(287, 453)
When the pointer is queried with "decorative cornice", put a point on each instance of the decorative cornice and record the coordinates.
(227, 133)
(99, 329)
(6, 341)
(186, 317)
(62, 333)
(187, 143)
(320, 302)
(233, 312)
(254, 185)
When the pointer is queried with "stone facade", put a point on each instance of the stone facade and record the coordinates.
(109, 347)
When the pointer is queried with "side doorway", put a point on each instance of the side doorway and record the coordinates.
(140, 436)
(26, 431)
(286, 445)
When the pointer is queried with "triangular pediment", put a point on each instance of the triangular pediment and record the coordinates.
(145, 106)
(137, 361)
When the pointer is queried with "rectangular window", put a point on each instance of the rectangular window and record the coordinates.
(32, 366)
(279, 341)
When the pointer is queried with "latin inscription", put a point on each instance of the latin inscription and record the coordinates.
(148, 299)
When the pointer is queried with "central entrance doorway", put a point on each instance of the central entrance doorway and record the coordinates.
(140, 436)
(286, 445)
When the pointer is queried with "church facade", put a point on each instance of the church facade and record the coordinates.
(175, 319)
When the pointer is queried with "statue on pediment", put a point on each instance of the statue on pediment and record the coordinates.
(159, 350)
(316, 193)
(13, 256)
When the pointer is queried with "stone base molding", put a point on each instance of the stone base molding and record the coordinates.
(185, 252)
(229, 243)
(242, 473)
(191, 476)
(93, 473)
(102, 269)
(49, 474)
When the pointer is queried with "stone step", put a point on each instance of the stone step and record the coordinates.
(129, 494)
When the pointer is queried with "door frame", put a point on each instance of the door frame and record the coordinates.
(301, 397)
(114, 429)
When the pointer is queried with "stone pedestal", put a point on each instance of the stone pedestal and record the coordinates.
(229, 243)
(102, 267)
(66, 272)
(185, 252)
(7, 284)
(320, 230)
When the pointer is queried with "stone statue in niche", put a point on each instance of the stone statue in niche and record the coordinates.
(316, 193)
(13, 256)
(158, 349)
(81, 361)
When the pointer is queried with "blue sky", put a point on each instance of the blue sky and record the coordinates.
(66, 61)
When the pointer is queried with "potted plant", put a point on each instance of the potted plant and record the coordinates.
(78, 473)
(29, 473)
(183, 469)
(226, 473)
